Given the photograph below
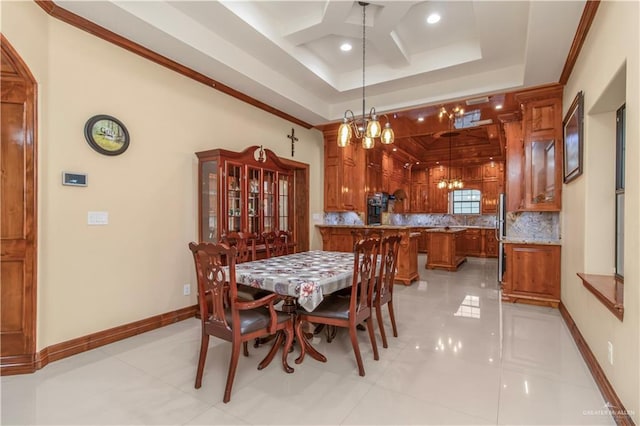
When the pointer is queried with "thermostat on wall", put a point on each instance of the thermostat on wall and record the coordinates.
(74, 179)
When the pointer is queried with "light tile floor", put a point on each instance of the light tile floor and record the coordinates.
(462, 357)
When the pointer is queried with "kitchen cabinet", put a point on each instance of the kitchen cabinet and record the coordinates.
(472, 173)
(344, 175)
(239, 192)
(540, 172)
(420, 191)
(438, 197)
(532, 274)
(490, 191)
(444, 248)
(340, 238)
(471, 242)
(490, 243)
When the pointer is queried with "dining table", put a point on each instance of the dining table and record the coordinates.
(303, 279)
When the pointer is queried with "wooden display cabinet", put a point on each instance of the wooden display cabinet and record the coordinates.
(238, 192)
(532, 274)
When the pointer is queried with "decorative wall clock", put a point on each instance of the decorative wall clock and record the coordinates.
(106, 134)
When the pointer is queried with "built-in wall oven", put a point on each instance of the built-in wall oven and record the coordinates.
(500, 234)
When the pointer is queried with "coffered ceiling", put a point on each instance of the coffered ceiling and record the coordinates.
(287, 54)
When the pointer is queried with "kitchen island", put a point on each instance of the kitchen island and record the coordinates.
(340, 238)
(443, 248)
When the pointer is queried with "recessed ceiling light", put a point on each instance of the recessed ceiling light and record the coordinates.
(345, 47)
(420, 119)
(499, 106)
(433, 18)
(394, 149)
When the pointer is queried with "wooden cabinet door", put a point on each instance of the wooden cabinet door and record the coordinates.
(490, 191)
(472, 242)
(533, 273)
(472, 173)
(490, 243)
(542, 134)
(438, 197)
(18, 217)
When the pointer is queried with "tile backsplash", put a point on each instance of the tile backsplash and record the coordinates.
(518, 225)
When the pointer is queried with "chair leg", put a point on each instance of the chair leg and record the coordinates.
(393, 318)
(372, 336)
(381, 325)
(356, 349)
(272, 352)
(233, 365)
(245, 349)
(204, 345)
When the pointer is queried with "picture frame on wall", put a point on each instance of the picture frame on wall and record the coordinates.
(106, 134)
(573, 139)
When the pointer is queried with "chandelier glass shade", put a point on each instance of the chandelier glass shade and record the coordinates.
(366, 128)
(449, 183)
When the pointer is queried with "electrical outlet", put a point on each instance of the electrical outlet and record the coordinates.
(610, 352)
(186, 290)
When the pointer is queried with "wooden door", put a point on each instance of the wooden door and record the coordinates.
(18, 213)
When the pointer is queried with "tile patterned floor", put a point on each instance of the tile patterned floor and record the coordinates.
(462, 357)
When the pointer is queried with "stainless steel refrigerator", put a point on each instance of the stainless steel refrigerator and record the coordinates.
(500, 234)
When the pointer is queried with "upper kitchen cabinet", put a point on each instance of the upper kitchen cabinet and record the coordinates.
(344, 176)
(535, 168)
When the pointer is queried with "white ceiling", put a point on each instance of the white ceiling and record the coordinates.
(286, 53)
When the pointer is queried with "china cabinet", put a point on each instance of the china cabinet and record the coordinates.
(249, 191)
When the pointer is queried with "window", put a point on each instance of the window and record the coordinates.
(620, 168)
(466, 201)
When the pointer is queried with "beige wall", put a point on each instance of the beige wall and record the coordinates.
(588, 210)
(91, 278)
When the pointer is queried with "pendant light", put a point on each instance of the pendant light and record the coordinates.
(367, 128)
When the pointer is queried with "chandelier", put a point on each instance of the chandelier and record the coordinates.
(449, 183)
(366, 128)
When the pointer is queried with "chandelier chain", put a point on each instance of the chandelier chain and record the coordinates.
(364, 43)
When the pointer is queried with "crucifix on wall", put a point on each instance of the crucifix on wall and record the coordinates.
(293, 141)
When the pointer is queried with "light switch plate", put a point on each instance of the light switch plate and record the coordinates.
(97, 218)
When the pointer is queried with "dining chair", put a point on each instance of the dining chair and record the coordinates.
(244, 243)
(348, 312)
(275, 244)
(383, 291)
(231, 318)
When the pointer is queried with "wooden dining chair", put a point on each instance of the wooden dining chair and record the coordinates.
(231, 318)
(274, 243)
(348, 312)
(383, 291)
(244, 243)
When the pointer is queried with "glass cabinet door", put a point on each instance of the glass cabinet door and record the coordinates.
(209, 203)
(268, 200)
(283, 201)
(234, 197)
(253, 200)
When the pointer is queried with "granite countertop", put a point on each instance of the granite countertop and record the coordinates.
(427, 227)
(449, 230)
(508, 240)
